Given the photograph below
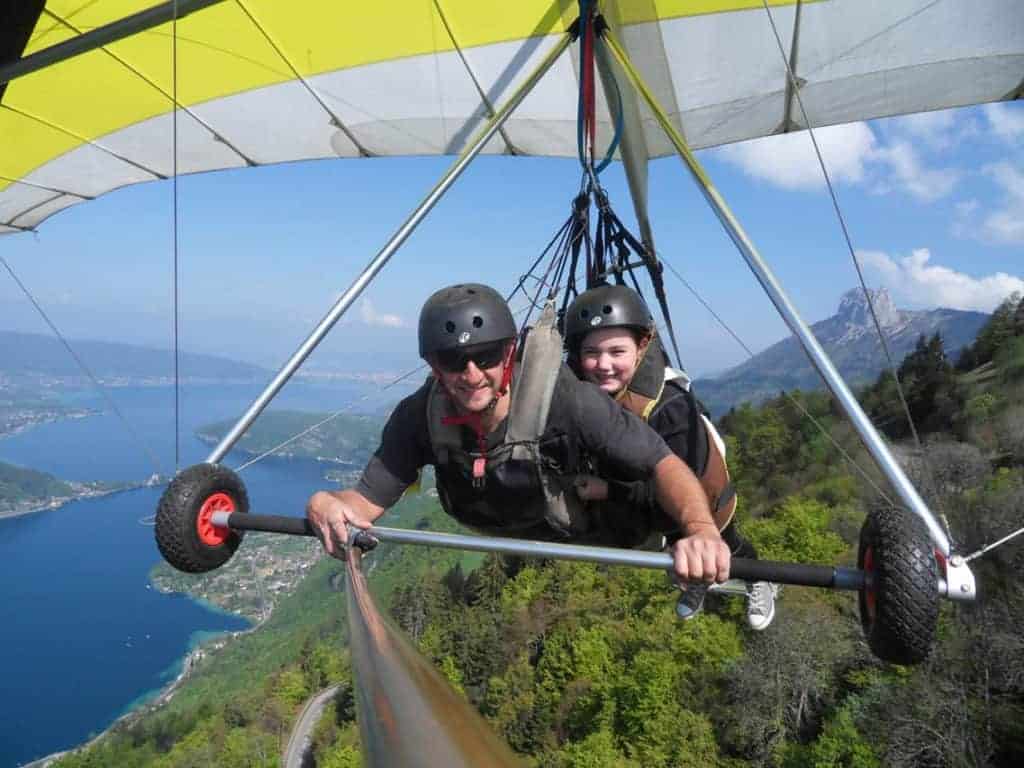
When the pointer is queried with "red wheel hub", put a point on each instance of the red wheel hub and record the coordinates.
(209, 534)
(869, 590)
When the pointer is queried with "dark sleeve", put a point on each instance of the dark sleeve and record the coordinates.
(402, 452)
(619, 440)
(638, 494)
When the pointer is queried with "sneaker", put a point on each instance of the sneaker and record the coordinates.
(761, 604)
(691, 602)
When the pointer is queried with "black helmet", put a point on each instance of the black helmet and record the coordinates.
(463, 315)
(607, 306)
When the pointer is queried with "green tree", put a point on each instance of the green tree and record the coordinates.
(598, 750)
(928, 378)
(840, 745)
(1004, 324)
(797, 531)
(248, 748)
(291, 688)
(345, 756)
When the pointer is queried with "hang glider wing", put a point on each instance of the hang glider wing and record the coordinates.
(263, 81)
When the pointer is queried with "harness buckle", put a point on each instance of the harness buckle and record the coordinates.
(479, 472)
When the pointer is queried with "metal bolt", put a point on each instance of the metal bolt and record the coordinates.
(964, 588)
(956, 560)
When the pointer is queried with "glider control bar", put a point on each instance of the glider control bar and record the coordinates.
(97, 38)
(389, 250)
(865, 429)
(409, 714)
(741, 569)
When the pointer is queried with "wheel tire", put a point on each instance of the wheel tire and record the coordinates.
(900, 610)
(184, 534)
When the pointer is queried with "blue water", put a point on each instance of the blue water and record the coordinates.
(82, 637)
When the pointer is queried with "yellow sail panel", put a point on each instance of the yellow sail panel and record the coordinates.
(655, 10)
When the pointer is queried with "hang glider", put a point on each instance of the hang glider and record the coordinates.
(259, 81)
(100, 94)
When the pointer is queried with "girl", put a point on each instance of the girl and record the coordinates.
(612, 343)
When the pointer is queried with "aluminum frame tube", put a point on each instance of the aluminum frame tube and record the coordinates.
(760, 570)
(819, 359)
(958, 584)
(385, 254)
(108, 33)
(744, 570)
(409, 715)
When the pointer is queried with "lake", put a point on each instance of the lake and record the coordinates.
(83, 637)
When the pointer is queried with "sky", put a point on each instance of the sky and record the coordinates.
(934, 204)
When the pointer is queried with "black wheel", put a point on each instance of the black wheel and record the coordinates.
(185, 535)
(899, 609)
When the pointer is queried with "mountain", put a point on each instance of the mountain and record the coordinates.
(38, 355)
(851, 340)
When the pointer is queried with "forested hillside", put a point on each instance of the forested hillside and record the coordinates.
(20, 486)
(345, 435)
(580, 666)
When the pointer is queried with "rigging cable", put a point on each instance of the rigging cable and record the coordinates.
(83, 366)
(174, 235)
(795, 85)
(611, 232)
(789, 396)
(990, 547)
(329, 418)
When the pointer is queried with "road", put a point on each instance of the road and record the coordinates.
(302, 732)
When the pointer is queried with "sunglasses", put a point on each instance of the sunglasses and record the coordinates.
(483, 356)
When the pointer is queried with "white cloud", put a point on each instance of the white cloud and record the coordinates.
(1006, 223)
(934, 128)
(909, 174)
(852, 154)
(371, 316)
(1006, 121)
(935, 131)
(915, 280)
(788, 160)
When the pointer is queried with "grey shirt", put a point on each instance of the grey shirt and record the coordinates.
(583, 423)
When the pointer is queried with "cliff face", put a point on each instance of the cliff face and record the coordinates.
(851, 340)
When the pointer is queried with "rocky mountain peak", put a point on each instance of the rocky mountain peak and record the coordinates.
(853, 308)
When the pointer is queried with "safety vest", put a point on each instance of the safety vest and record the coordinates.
(512, 489)
(654, 386)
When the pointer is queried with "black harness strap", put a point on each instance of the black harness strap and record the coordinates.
(611, 233)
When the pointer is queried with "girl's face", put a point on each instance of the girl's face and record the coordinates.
(609, 358)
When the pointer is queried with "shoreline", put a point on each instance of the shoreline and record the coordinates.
(145, 704)
(58, 502)
(55, 419)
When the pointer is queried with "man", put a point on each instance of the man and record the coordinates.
(492, 473)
